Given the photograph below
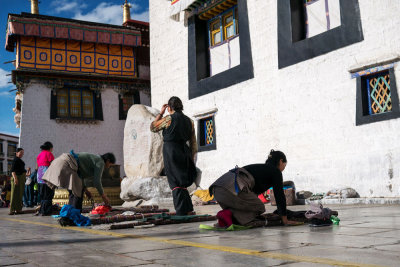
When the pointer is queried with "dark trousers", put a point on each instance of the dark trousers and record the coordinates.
(46, 196)
(182, 201)
(29, 195)
(75, 201)
(36, 196)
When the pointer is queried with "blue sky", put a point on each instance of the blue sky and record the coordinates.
(109, 11)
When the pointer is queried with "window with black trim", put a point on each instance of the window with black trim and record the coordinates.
(11, 149)
(76, 103)
(126, 101)
(206, 138)
(377, 97)
(1, 167)
(224, 46)
(1, 148)
(217, 58)
(312, 17)
(310, 28)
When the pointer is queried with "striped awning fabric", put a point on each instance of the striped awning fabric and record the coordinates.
(206, 9)
(19, 25)
(184, 5)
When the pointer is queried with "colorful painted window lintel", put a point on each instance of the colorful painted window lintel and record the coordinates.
(75, 56)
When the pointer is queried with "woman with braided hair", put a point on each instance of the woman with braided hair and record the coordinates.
(236, 192)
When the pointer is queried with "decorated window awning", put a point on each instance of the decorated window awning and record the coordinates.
(181, 5)
(213, 8)
(58, 28)
(205, 8)
(75, 56)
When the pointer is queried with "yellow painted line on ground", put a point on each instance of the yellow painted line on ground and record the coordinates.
(242, 251)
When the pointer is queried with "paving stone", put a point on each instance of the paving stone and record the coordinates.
(387, 233)
(353, 255)
(394, 248)
(151, 265)
(5, 261)
(190, 256)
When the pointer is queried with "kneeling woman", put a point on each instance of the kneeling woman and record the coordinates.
(237, 191)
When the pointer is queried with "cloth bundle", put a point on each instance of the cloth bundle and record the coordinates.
(74, 215)
(101, 210)
(319, 215)
(317, 211)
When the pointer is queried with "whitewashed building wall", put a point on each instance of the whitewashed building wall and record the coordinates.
(306, 110)
(99, 138)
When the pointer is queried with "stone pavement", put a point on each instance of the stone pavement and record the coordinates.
(368, 235)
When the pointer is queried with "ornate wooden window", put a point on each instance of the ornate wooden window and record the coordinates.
(76, 103)
(206, 133)
(377, 97)
(126, 101)
(62, 103)
(215, 29)
(229, 26)
(87, 104)
(223, 26)
(378, 93)
(207, 73)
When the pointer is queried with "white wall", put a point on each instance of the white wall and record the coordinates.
(36, 127)
(306, 110)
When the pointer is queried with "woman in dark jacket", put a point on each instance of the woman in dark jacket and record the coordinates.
(178, 152)
(18, 173)
(237, 191)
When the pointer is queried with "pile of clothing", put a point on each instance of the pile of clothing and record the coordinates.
(320, 216)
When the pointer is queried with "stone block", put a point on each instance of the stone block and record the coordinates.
(145, 188)
(142, 148)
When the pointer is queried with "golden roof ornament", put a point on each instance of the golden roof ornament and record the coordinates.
(127, 11)
(34, 6)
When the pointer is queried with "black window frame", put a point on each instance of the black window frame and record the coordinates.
(97, 105)
(291, 51)
(361, 117)
(200, 134)
(136, 100)
(200, 82)
(13, 144)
